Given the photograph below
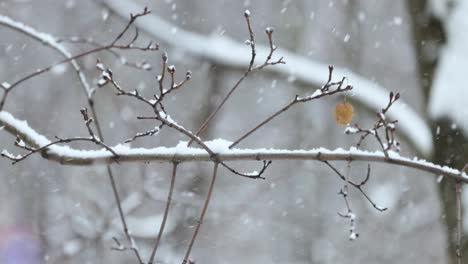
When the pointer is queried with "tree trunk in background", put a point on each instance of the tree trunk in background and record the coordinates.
(428, 36)
(450, 147)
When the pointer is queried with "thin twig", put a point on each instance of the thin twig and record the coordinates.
(389, 128)
(349, 214)
(202, 215)
(254, 175)
(151, 132)
(116, 195)
(250, 69)
(19, 142)
(358, 186)
(133, 246)
(165, 119)
(112, 45)
(296, 100)
(166, 213)
(88, 120)
(140, 65)
(251, 42)
(47, 40)
(132, 19)
(18, 158)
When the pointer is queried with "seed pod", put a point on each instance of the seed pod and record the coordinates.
(343, 113)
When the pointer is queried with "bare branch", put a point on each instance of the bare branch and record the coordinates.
(72, 59)
(132, 19)
(251, 42)
(94, 138)
(355, 185)
(132, 247)
(163, 117)
(48, 40)
(166, 213)
(251, 175)
(389, 128)
(69, 58)
(140, 65)
(324, 91)
(202, 214)
(151, 132)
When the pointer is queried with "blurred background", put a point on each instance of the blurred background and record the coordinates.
(51, 213)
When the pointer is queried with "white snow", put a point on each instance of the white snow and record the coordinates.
(8, 154)
(361, 16)
(102, 82)
(59, 69)
(386, 195)
(6, 85)
(397, 20)
(346, 38)
(450, 90)
(72, 247)
(440, 178)
(146, 66)
(440, 8)
(85, 226)
(144, 227)
(350, 130)
(131, 202)
(21, 143)
(22, 127)
(317, 92)
(303, 69)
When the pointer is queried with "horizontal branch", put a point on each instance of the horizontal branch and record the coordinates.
(183, 153)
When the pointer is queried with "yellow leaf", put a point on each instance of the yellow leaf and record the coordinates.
(343, 113)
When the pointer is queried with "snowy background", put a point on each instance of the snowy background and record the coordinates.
(51, 213)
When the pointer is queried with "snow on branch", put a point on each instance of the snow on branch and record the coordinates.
(214, 48)
(183, 153)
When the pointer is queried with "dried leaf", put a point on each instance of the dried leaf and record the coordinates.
(343, 113)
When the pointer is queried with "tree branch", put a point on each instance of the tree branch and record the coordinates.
(166, 213)
(182, 153)
(202, 215)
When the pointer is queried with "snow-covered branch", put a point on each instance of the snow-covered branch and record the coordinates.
(214, 48)
(183, 153)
